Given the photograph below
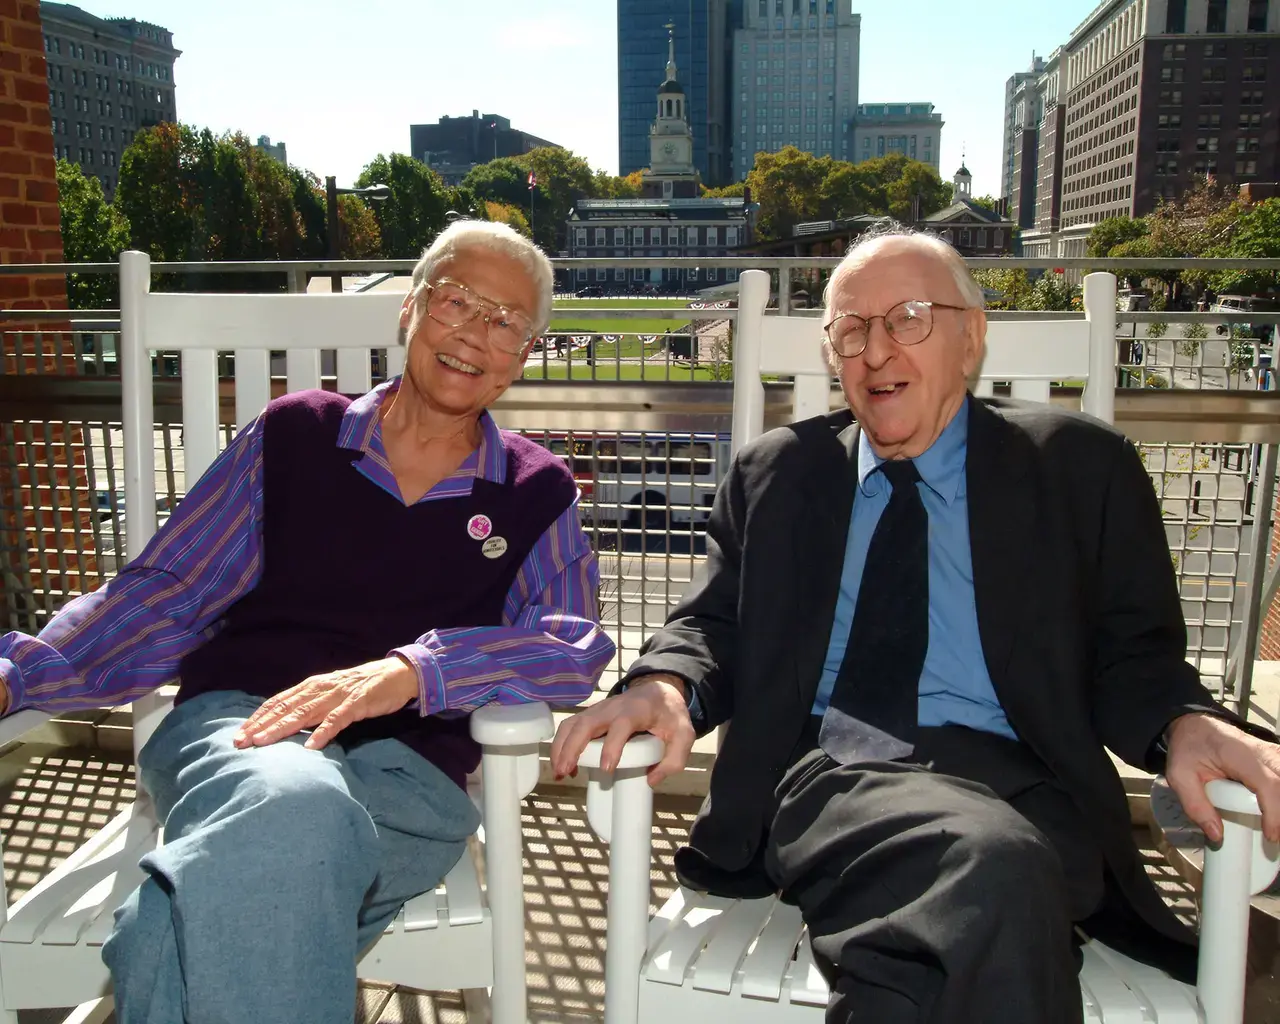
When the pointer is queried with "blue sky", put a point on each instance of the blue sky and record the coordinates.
(340, 82)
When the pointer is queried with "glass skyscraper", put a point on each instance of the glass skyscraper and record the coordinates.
(702, 40)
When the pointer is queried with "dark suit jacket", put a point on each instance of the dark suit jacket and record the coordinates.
(1077, 603)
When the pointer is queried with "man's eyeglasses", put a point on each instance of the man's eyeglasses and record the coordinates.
(907, 323)
(453, 304)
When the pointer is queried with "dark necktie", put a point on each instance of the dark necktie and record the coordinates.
(873, 711)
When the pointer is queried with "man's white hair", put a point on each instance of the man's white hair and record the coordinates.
(969, 289)
(470, 235)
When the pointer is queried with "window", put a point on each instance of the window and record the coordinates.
(602, 274)
(619, 236)
(600, 236)
(579, 237)
(1175, 19)
(1216, 16)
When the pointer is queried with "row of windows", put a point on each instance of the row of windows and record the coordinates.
(83, 105)
(1101, 79)
(641, 274)
(1112, 153)
(1215, 16)
(904, 144)
(797, 7)
(1213, 51)
(1173, 98)
(88, 157)
(1115, 173)
(1106, 195)
(104, 58)
(692, 235)
(145, 93)
(102, 83)
(779, 47)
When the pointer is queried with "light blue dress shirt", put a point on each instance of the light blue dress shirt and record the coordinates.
(955, 687)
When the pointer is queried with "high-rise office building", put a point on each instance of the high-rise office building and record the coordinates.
(701, 29)
(1015, 90)
(795, 79)
(108, 77)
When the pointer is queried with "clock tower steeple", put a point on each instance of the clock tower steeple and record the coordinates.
(671, 171)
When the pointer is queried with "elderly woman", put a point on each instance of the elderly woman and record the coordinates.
(345, 584)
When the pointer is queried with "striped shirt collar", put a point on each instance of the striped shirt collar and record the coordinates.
(361, 425)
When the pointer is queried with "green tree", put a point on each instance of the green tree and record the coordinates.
(917, 181)
(92, 232)
(987, 203)
(562, 179)
(410, 219)
(1013, 287)
(788, 186)
(1050, 291)
(734, 190)
(504, 213)
(358, 224)
(1256, 235)
(152, 193)
(1114, 231)
(499, 181)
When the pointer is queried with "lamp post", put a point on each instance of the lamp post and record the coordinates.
(331, 193)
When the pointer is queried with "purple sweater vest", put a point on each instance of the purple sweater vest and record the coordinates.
(349, 573)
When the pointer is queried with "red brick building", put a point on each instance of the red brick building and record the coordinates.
(39, 476)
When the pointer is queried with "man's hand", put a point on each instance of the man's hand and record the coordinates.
(653, 704)
(330, 702)
(1203, 748)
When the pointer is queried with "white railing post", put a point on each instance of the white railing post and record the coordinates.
(620, 812)
(136, 394)
(748, 337)
(1244, 864)
(504, 876)
(138, 416)
(1100, 311)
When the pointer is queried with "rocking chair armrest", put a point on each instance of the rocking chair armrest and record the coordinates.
(512, 725)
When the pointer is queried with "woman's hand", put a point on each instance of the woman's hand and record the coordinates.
(330, 702)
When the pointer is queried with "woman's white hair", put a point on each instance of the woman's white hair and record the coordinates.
(470, 235)
(969, 289)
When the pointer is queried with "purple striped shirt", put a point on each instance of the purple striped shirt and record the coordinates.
(129, 636)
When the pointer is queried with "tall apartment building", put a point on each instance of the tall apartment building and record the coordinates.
(1160, 94)
(795, 79)
(909, 129)
(1014, 98)
(1035, 202)
(108, 77)
(701, 29)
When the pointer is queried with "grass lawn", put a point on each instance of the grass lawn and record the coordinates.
(639, 325)
(613, 371)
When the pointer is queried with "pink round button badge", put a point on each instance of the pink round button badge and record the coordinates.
(479, 527)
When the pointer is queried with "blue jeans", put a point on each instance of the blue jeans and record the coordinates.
(279, 866)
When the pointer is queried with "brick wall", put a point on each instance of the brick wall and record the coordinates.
(35, 477)
(1269, 642)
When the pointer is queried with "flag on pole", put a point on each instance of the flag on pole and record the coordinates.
(533, 180)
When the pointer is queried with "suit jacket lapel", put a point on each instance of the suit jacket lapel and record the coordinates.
(825, 503)
(1002, 536)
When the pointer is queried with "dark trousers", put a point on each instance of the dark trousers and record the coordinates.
(942, 890)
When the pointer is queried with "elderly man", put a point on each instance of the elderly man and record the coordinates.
(922, 623)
